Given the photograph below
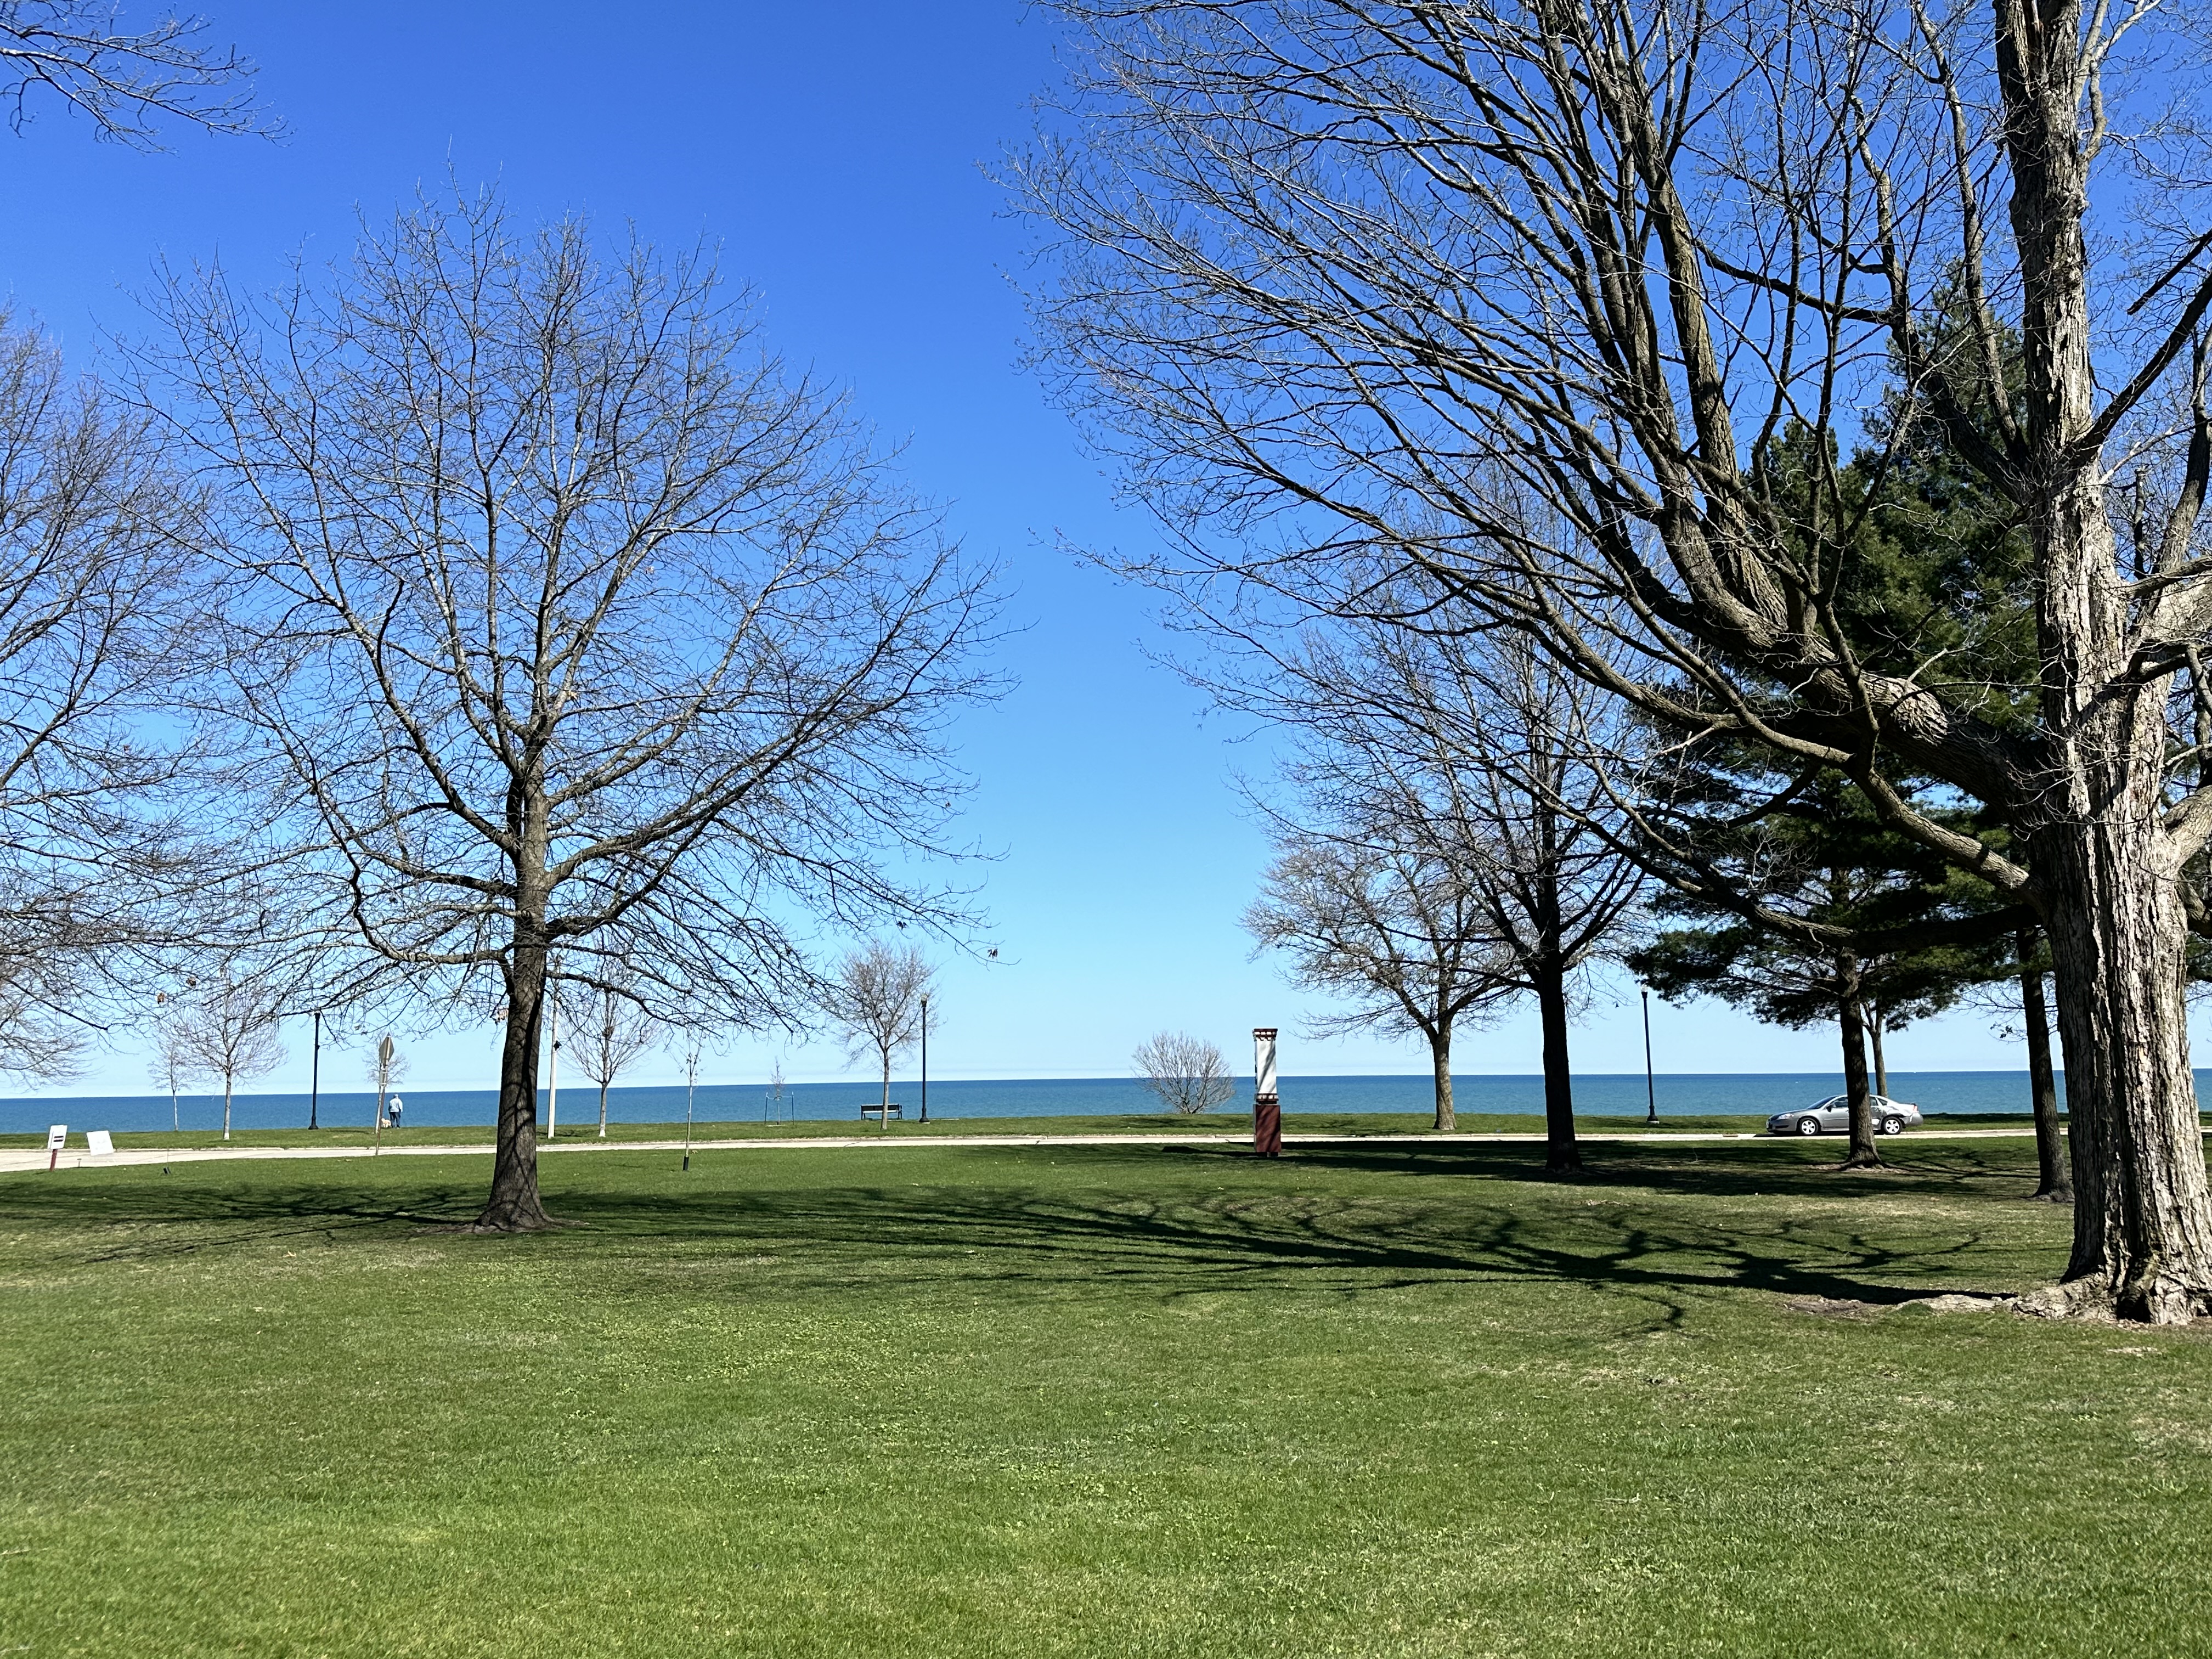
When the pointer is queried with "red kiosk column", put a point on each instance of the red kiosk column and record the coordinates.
(1266, 1104)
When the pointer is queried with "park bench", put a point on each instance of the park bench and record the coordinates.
(896, 1110)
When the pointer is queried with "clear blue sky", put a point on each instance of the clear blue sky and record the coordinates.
(835, 153)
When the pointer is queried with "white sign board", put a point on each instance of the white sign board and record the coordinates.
(57, 1137)
(101, 1144)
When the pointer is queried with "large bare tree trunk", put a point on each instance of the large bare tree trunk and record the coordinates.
(2108, 883)
(1851, 1019)
(2143, 1215)
(513, 1205)
(2055, 1178)
(1560, 1150)
(1440, 1058)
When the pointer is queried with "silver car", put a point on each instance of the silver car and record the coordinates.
(1833, 1115)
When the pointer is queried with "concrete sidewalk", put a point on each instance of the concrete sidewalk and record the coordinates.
(20, 1161)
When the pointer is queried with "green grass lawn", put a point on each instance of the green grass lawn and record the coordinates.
(1091, 1400)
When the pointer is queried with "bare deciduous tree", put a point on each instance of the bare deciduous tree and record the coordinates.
(228, 1031)
(1532, 298)
(694, 1044)
(1455, 762)
(1188, 1073)
(1396, 931)
(879, 1000)
(96, 607)
(171, 1064)
(567, 617)
(94, 551)
(611, 1032)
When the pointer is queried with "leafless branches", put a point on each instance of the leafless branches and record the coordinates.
(878, 999)
(1392, 928)
(99, 595)
(613, 1033)
(567, 617)
(227, 1031)
(1458, 790)
(171, 1064)
(1186, 1073)
(124, 82)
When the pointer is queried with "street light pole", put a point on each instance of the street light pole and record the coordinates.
(690, 1093)
(1651, 1090)
(553, 1059)
(925, 1056)
(315, 1073)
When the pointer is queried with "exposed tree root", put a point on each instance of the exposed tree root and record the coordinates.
(515, 1216)
(1955, 1302)
(2148, 1299)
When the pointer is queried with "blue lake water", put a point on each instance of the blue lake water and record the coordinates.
(1598, 1095)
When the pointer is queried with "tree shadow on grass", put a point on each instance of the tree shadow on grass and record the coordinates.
(1794, 1168)
(1246, 1242)
(1469, 1215)
(135, 1222)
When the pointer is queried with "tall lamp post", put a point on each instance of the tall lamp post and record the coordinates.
(1651, 1090)
(1266, 1103)
(925, 1056)
(553, 1059)
(315, 1072)
(691, 1094)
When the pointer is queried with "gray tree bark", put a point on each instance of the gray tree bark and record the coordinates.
(1862, 1154)
(1440, 1060)
(2143, 1215)
(514, 1204)
(2055, 1176)
(1561, 1152)
(2106, 871)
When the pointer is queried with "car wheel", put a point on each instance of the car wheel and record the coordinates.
(1808, 1126)
(1893, 1126)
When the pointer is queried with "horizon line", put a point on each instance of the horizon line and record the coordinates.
(910, 1080)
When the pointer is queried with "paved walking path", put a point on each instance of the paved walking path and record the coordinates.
(15, 1161)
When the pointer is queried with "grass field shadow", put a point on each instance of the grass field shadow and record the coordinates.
(1656, 1225)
